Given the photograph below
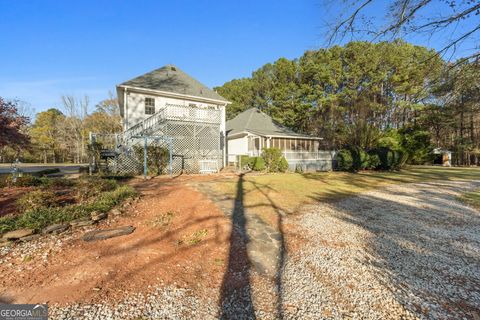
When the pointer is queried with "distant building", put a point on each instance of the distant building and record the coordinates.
(252, 130)
(443, 157)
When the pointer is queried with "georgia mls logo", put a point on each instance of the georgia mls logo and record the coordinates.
(23, 312)
(39, 311)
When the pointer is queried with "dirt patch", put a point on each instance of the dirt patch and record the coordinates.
(8, 198)
(155, 254)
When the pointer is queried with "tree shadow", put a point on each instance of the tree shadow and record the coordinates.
(420, 243)
(236, 291)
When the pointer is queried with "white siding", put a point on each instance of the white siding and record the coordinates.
(236, 147)
(136, 107)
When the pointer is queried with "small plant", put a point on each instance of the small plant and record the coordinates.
(344, 160)
(197, 237)
(36, 199)
(23, 181)
(274, 160)
(163, 220)
(91, 186)
(257, 163)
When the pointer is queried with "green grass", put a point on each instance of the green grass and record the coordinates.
(472, 198)
(267, 194)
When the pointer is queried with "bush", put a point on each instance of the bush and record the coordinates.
(23, 181)
(390, 159)
(359, 159)
(257, 163)
(36, 199)
(274, 160)
(45, 172)
(282, 165)
(57, 182)
(373, 161)
(42, 217)
(344, 160)
(90, 186)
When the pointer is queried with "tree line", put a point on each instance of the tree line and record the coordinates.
(55, 135)
(369, 95)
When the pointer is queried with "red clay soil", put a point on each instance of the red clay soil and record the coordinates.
(8, 197)
(153, 255)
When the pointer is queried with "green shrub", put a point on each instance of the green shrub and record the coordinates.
(45, 172)
(344, 160)
(257, 163)
(273, 160)
(244, 161)
(90, 186)
(23, 181)
(359, 159)
(57, 182)
(282, 165)
(42, 217)
(36, 199)
(390, 159)
(373, 161)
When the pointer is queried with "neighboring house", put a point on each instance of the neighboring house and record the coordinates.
(168, 103)
(252, 130)
(443, 157)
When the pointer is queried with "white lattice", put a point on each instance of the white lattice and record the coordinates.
(194, 134)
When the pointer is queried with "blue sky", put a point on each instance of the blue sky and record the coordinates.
(50, 48)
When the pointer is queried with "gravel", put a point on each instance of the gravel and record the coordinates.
(408, 251)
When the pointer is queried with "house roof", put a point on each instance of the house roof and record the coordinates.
(255, 121)
(171, 79)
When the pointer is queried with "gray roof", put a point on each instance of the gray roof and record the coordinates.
(171, 79)
(255, 121)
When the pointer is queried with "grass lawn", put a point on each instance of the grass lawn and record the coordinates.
(266, 194)
(472, 198)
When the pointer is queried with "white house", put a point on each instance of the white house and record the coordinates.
(252, 130)
(167, 102)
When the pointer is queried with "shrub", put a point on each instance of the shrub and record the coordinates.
(273, 160)
(257, 163)
(244, 161)
(45, 172)
(282, 165)
(57, 182)
(23, 181)
(36, 199)
(344, 160)
(373, 161)
(42, 217)
(90, 186)
(359, 158)
(390, 159)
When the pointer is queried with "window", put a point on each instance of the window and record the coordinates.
(149, 105)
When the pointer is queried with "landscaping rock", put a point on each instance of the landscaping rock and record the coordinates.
(81, 222)
(96, 216)
(29, 238)
(17, 234)
(56, 228)
(107, 233)
(115, 212)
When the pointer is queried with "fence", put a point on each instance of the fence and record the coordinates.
(302, 161)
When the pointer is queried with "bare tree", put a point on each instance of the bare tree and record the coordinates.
(459, 20)
(76, 111)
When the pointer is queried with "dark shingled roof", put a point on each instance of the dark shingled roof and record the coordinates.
(171, 79)
(255, 121)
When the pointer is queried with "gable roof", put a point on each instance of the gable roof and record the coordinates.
(255, 121)
(171, 79)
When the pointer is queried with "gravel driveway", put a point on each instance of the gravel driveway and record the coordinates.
(408, 251)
